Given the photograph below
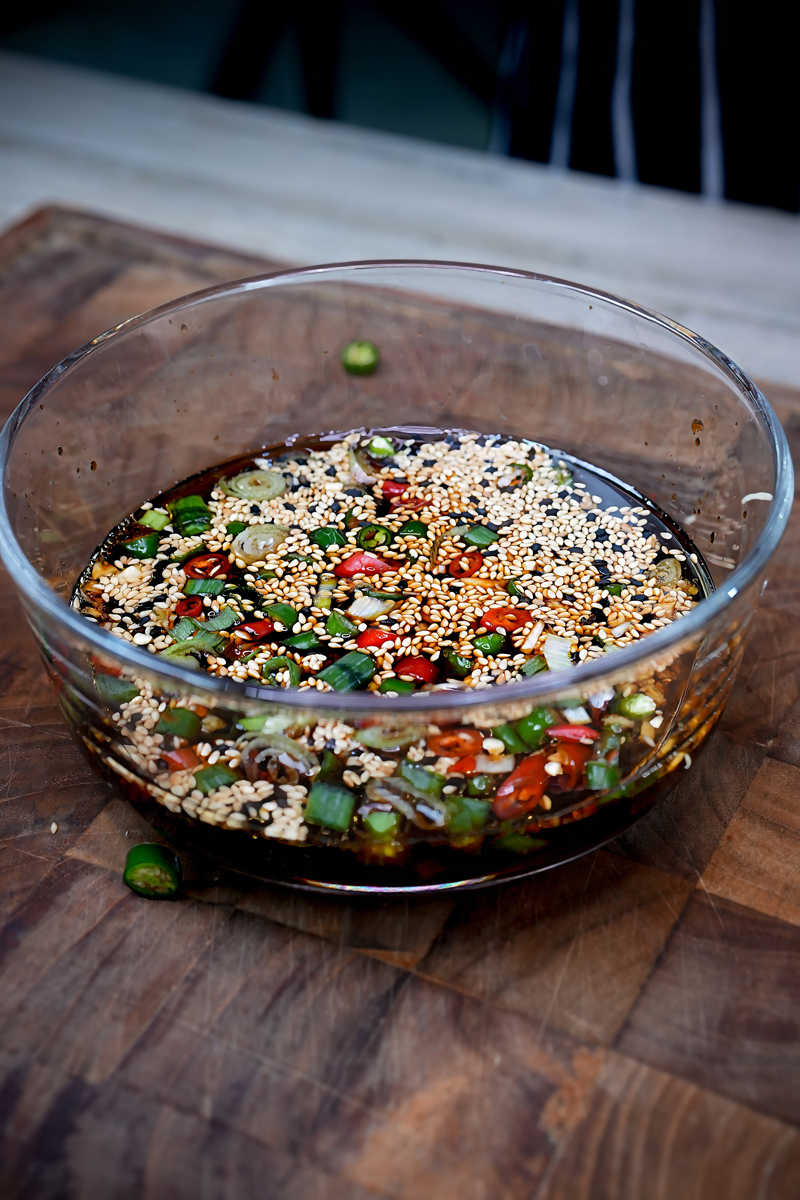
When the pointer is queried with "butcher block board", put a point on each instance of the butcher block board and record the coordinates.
(626, 1027)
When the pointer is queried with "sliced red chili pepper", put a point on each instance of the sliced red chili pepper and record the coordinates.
(181, 760)
(456, 741)
(106, 668)
(522, 790)
(207, 566)
(510, 619)
(373, 637)
(413, 502)
(192, 606)
(394, 487)
(363, 563)
(572, 733)
(418, 668)
(254, 631)
(464, 766)
(573, 762)
(473, 560)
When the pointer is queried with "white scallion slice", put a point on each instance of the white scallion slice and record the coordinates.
(556, 651)
(577, 715)
(367, 607)
(257, 540)
(255, 485)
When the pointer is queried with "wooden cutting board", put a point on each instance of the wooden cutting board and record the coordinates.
(626, 1027)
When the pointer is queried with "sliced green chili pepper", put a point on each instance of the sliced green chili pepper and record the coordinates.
(304, 641)
(532, 728)
(203, 587)
(479, 535)
(413, 529)
(338, 625)
(381, 447)
(600, 776)
(350, 519)
(613, 589)
(383, 825)
(430, 783)
(190, 515)
(155, 519)
(330, 768)
(489, 643)
(114, 690)
(636, 707)
(481, 785)
(510, 739)
(145, 546)
(330, 806)
(283, 613)
(466, 815)
(350, 672)
(459, 665)
(266, 575)
(235, 527)
(328, 536)
(371, 537)
(519, 843)
(209, 778)
(360, 358)
(273, 666)
(401, 686)
(512, 589)
(535, 665)
(152, 871)
(179, 722)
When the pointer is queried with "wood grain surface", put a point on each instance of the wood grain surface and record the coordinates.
(626, 1028)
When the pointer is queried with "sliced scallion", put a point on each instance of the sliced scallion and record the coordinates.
(350, 672)
(556, 651)
(479, 535)
(190, 515)
(203, 587)
(155, 518)
(338, 625)
(330, 806)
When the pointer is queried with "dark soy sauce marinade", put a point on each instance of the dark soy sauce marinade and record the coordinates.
(465, 810)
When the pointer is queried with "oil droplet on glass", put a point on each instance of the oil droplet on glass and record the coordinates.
(697, 426)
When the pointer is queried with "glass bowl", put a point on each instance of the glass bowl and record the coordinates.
(233, 369)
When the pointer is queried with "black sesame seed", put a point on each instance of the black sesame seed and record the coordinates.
(255, 509)
(601, 535)
(427, 462)
(331, 471)
(353, 492)
(291, 507)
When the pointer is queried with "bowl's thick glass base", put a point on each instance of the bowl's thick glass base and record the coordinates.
(425, 867)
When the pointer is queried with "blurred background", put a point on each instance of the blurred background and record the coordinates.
(695, 95)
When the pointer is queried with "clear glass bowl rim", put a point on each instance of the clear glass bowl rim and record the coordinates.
(692, 625)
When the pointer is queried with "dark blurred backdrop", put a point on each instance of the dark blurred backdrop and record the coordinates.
(700, 95)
